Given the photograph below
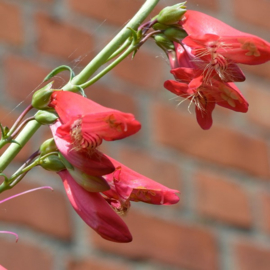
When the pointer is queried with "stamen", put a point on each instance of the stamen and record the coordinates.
(84, 141)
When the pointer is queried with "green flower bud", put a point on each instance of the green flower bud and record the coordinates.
(172, 14)
(47, 147)
(89, 182)
(52, 163)
(46, 117)
(160, 26)
(163, 42)
(175, 34)
(41, 98)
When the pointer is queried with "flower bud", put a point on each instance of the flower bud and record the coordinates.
(47, 147)
(172, 14)
(89, 182)
(160, 26)
(46, 117)
(52, 163)
(163, 42)
(41, 98)
(175, 34)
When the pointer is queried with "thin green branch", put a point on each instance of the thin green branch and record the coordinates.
(113, 45)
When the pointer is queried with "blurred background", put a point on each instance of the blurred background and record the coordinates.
(223, 219)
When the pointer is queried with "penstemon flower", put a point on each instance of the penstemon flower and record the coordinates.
(204, 64)
(94, 189)
(127, 185)
(192, 83)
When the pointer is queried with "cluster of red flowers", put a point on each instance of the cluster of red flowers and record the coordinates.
(96, 184)
(204, 64)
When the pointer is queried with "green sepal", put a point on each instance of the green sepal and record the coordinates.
(58, 70)
(175, 34)
(65, 162)
(163, 42)
(46, 117)
(47, 147)
(172, 14)
(52, 163)
(41, 97)
(160, 26)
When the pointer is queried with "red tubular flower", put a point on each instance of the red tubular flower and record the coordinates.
(94, 163)
(95, 211)
(217, 42)
(203, 89)
(128, 185)
(82, 126)
(86, 123)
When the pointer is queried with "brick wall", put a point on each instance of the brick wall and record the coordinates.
(223, 219)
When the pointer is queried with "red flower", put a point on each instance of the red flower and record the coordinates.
(85, 123)
(95, 211)
(127, 185)
(94, 163)
(204, 89)
(214, 41)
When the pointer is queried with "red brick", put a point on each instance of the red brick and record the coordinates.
(63, 40)
(96, 264)
(218, 145)
(23, 77)
(11, 24)
(186, 246)
(23, 255)
(264, 206)
(205, 4)
(118, 101)
(220, 199)
(244, 10)
(250, 256)
(163, 172)
(262, 70)
(113, 11)
(42, 210)
(258, 97)
(145, 70)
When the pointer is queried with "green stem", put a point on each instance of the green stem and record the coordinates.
(109, 67)
(28, 131)
(113, 45)
(81, 78)
(121, 49)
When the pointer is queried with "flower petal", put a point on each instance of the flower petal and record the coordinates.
(204, 117)
(133, 186)
(94, 163)
(95, 211)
